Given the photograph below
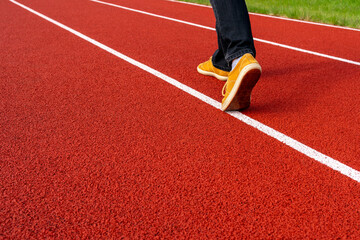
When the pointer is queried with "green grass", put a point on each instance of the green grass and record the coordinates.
(336, 12)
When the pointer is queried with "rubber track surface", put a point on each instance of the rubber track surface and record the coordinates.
(93, 147)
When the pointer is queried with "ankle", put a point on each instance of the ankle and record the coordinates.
(234, 62)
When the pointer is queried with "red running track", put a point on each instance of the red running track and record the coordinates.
(93, 147)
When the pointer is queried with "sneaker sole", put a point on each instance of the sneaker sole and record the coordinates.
(239, 97)
(212, 74)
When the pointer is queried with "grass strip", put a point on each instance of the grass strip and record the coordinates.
(336, 12)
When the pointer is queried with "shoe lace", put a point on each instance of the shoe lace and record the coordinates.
(224, 89)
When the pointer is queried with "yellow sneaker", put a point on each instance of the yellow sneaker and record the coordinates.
(240, 83)
(208, 69)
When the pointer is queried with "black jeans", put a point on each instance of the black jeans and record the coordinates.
(233, 31)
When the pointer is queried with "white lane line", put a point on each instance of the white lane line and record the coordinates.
(276, 17)
(190, 3)
(326, 160)
(213, 29)
(154, 15)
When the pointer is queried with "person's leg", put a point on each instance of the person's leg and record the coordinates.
(234, 32)
(218, 58)
(235, 55)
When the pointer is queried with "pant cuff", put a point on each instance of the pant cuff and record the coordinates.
(231, 57)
